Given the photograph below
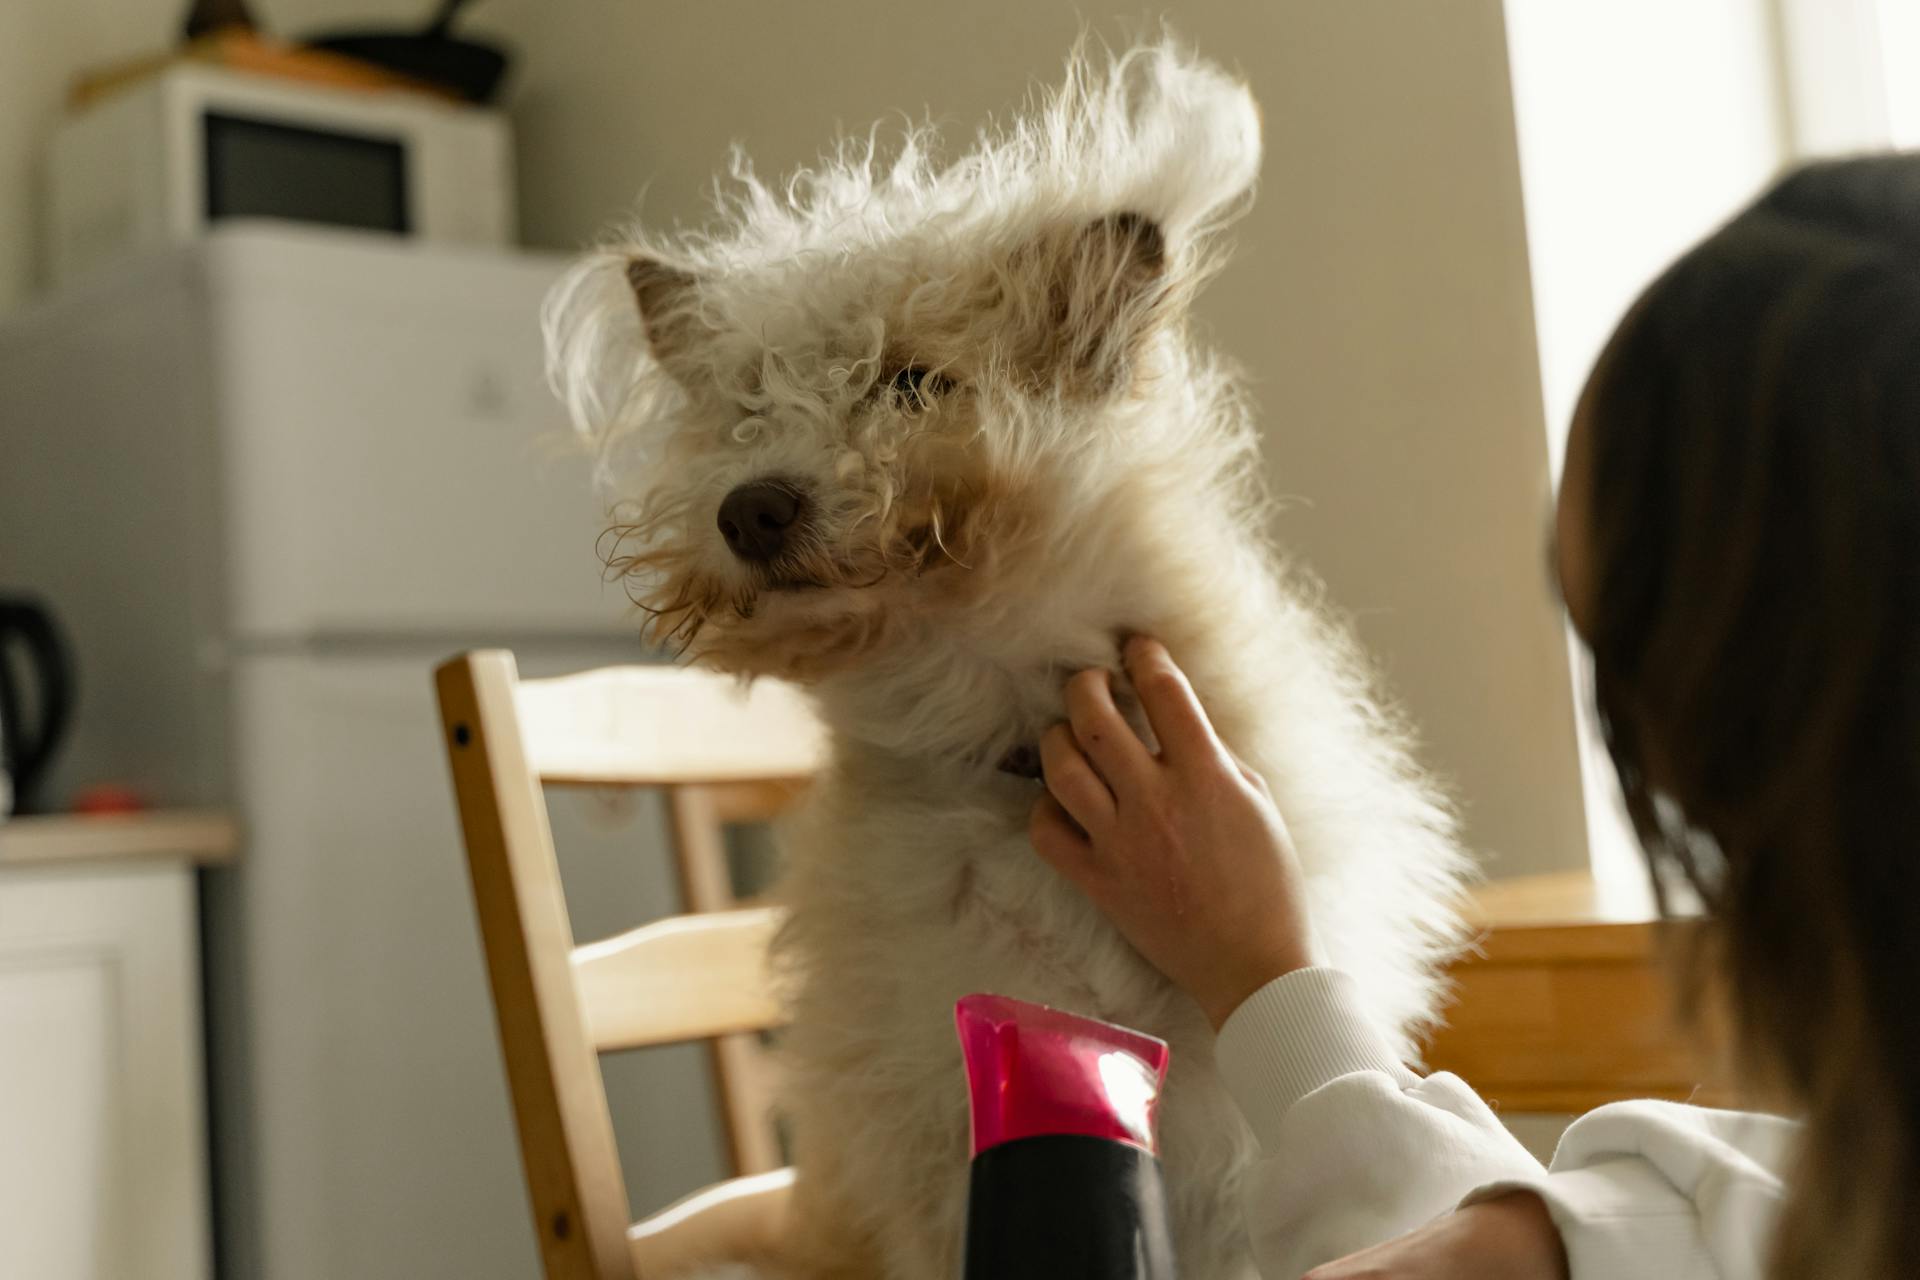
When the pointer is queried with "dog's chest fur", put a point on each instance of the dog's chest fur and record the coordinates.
(911, 884)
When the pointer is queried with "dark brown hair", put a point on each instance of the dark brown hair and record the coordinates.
(1754, 428)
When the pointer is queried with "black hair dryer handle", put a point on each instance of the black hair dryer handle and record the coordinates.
(26, 749)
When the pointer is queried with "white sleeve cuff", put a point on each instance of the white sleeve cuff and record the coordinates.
(1303, 1030)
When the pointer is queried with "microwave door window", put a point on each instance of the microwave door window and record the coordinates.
(257, 169)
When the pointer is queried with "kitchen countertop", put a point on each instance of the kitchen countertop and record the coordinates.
(201, 837)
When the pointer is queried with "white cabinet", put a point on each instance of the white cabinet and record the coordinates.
(371, 1130)
(103, 1170)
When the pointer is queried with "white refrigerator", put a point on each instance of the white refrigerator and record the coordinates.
(268, 480)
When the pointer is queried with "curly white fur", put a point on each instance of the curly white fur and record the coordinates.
(980, 379)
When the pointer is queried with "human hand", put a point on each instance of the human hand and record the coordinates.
(1511, 1237)
(1184, 851)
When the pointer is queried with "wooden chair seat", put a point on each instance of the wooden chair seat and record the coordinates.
(739, 1218)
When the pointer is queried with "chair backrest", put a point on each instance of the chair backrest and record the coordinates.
(725, 752)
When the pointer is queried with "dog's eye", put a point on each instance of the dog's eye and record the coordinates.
(916, 386)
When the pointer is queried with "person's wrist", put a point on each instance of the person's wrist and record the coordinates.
(1518, 1228)
(1234, 986)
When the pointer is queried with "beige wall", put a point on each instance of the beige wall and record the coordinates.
(42, 42)
(1380, 296)
(1705, 126)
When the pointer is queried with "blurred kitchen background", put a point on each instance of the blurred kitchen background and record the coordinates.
(274, 439)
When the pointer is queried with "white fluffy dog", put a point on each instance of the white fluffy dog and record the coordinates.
(928, 439)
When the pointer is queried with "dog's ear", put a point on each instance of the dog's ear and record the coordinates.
(666, 295)
(1104, 289)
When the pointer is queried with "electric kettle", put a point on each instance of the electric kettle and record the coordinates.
(36, 698)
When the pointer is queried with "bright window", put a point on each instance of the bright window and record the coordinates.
(1900, 64)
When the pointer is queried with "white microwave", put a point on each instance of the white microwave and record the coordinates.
(162, 159)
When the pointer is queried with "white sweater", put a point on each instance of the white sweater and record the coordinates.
(1356, 1150)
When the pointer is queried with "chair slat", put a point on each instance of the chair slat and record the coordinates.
(686, 978)
(637, 726)
(696, 818)
(755, 801)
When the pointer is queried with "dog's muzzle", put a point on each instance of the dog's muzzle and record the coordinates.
(758, 518)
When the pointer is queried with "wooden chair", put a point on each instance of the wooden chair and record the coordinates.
(723, 753)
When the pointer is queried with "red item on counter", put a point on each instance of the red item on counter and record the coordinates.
(108, 797)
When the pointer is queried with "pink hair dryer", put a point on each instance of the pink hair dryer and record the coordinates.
(1066, 1181)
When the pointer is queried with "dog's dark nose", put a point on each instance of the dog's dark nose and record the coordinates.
(756, 518)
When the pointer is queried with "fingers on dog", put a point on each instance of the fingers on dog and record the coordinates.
(1073, 782)
(1178, 720)
(1102, 732)
(1055, 836)
(1254, 780)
